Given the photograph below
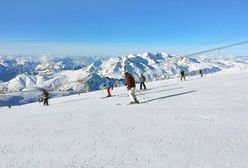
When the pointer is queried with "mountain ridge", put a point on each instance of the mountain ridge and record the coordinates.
(85, 74)
(54, 74)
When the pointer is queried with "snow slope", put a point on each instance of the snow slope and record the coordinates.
(23, 76)
(200, 123)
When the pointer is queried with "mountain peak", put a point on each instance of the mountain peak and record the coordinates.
(61, 73)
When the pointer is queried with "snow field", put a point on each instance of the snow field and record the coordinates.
(200, 123)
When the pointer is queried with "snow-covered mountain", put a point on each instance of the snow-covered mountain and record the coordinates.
(84, 74)
(11, 67)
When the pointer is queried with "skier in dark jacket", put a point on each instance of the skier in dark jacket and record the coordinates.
(130, 83)
(44, 97)
(201, 73)
(142, 81)
(182, 75)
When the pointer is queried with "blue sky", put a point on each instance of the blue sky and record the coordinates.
(119, 27)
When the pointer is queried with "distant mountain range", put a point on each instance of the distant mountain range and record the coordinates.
(84, 74)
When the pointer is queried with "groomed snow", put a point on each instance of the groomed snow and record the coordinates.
(200, 123)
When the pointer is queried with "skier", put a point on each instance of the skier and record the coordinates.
(142, 81)
(130, 83)
(44, 97)
(109, 86)
(182, 75)
(201, 73)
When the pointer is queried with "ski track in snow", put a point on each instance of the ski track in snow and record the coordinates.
(200, 123)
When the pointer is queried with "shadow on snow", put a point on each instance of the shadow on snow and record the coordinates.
(172, 95)
(147, 92)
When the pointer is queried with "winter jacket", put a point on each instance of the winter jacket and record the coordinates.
(142, 78)
(129, 81)
(45, 95)
(108, 83)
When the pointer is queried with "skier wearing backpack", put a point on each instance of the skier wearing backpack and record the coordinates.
(142, 81)
(109, 86)
(130, 83)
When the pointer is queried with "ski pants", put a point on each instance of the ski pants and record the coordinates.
(183, 77)
(45, 101)
(108, 91)
(131, 94)
(142, 84)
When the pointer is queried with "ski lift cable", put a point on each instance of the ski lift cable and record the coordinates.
(210, 41)
(217, 49)
(205, 45)
(238, 34)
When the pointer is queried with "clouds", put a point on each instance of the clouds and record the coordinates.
(89, 49)
(47, 49)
